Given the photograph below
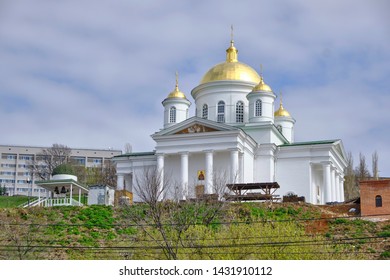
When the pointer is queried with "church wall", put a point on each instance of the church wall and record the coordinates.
(172, 169)
(259, 134)
(181, 112)
(293, 175)
(222, 168)
(229, 92)
(265, 163)
(248, 168)
(317, 192)
(267, 108)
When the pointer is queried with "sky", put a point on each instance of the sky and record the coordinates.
(93, 73)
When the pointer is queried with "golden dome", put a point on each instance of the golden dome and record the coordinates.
(281, 112)
(261, 86)
(231, 69)
(176, 93)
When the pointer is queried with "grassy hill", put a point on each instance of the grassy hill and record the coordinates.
(191, 231)
(12, 201)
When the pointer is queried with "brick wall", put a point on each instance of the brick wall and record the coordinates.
(369, 190)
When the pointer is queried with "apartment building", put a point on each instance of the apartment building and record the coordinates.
(15, 164)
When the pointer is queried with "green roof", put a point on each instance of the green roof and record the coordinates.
(320, 142)
(141, 154)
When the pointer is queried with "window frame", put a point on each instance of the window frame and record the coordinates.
(221, 111)
(172, 114)
(378, 201)
(205, 111)
(240, 112)
(258, 108)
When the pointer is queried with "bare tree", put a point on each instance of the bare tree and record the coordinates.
(150, 186)
(20, 239)
(375, 171)
(351, 190)
(44, 163)
(220, 181)
(151, 189)
(171, 219)
(361, 171)
(128, 148)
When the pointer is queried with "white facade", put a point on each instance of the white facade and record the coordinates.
(236, 136)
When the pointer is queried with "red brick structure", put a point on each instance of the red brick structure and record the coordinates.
(375, 197)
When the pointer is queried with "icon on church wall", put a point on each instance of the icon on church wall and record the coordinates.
(201, 175)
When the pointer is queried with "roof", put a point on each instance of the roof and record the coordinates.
(253, 186)
(139, 154)
(55, 183)
(319, 142)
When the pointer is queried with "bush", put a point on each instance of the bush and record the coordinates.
(64, 169)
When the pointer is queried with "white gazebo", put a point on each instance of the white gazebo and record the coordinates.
(60, 191)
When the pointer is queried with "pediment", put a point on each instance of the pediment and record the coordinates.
(196, 128)
(195, 125)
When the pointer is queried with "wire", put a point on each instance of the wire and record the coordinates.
(190, 224)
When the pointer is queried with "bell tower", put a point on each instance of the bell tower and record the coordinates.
(176, 106)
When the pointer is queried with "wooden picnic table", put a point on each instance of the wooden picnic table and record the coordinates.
(245, 191)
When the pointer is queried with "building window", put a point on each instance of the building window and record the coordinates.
(221, 112)
(239, 112)
(205, 112)
(8, 156)
(26, 157)
(172, 115)
(78, 160)
(258, 108)
(280, 128)
(378, 201)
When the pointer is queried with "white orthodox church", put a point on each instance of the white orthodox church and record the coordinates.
(237, 132)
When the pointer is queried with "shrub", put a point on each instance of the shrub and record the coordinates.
(64, 169)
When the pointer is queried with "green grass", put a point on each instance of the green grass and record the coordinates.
(12, 201)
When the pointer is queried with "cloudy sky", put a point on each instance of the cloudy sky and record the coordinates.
(93, 73)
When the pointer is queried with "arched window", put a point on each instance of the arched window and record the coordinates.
(172, 114)
(221, 112)
(258, 109)
(378, 201)
(280, 128)
(240, 112)
(205, 111)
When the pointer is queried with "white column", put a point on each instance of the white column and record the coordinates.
(234, 172)
(313, 186)
(120, 182)
(209, 172)
(184, 175)
(79, 195)
(160, 174)
(333, 182)
(342, 189)
(71, 194)
(241, 167)
(338, 193)
(326, 182)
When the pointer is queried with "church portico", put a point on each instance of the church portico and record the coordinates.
(185, 170)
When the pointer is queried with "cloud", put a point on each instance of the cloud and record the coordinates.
(94, 73)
